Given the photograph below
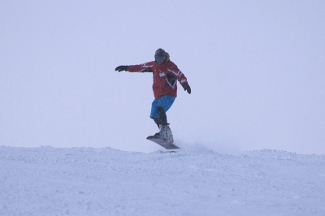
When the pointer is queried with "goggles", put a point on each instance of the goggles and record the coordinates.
(160, 58)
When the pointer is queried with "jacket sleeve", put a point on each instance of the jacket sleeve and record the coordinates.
(182, 79)
(178, 74)
(146, 67)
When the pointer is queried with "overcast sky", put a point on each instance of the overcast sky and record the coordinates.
(256, 69)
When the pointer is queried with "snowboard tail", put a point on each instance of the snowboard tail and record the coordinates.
(163, 142)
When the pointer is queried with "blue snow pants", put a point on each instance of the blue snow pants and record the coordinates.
(165, 102)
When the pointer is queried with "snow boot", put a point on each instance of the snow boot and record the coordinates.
(165, 133)
(164, 130)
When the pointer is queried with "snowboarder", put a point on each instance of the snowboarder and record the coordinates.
(165, 74)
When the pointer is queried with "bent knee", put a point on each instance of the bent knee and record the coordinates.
(160, 109)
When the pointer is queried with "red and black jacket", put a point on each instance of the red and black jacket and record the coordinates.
(164, 77)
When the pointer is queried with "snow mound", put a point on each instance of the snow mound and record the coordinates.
(106, 181)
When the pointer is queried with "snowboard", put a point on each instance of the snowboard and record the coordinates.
(162, 142)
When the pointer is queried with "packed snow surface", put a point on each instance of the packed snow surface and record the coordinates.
(105, 181)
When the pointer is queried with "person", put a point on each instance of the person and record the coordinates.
(165, 76)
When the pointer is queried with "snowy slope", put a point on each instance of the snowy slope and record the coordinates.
(88, 181)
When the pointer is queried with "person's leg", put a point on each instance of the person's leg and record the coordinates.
(166, 102)
(159, 108)
(158, 114)
(154, 112)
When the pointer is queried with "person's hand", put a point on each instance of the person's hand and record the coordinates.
(187, 88)
(122, 68)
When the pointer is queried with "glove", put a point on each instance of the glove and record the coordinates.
(187, 88)
(122, 68)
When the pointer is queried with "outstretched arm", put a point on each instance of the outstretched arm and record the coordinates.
(146, 67)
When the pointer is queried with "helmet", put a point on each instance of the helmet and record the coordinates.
(160, 56)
